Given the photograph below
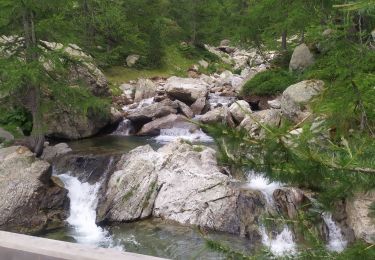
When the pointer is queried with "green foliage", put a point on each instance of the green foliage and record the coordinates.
(14, 119)
(269, 82)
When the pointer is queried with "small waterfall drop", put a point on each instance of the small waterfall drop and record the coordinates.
(83, 201)
(336, 241)
(283, 243)
(169, 135)
(125, 128)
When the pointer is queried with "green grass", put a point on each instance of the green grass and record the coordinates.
(176, 63)
(269, 82)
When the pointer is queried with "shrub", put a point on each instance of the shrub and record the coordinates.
(269, 82)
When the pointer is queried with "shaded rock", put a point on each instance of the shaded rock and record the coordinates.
(5, 135)
(252, 123)
(131, 60)
(359, 218)
(153, 183)
(185, 109)
(29, 201)
(239, 110)
(144, 89)
(116, 116)
(156, 110)
(154, 127)
(198, 106)
(302, 58)
(295, 99)
(289, 201)
(187, 90)
(52, 152)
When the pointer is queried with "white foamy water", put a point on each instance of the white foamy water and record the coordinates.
(261, 183)
(336, 241)
(283, 243)
(169, 135)
(216, 100)
(83, 202)
(142, 103)
(125, 128)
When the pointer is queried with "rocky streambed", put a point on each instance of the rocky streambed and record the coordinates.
(154, 185)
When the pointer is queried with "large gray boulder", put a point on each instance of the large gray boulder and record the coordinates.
(154, 183)
(187, 90)
(131, 60)
(29, 200)
(295, 99)
(253, 123)
(359, 218)
(302, 58)
(52, 152)
(150, 112)
(239, 110)
(217, 115)
(167, 122)
(144, 89)
(5, 136)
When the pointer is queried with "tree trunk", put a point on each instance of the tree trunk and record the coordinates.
(284, 40)
(32, 98)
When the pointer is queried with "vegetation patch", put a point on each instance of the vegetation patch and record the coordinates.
(269, 82)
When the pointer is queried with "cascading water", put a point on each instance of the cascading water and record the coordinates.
(125, 128)
(283, 243)
(83, 201)
(336, 241)
(169, 135)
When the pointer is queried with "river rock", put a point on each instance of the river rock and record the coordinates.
(5, 135)
(295, 99)
(52, 152)
(185, 109)
(147, 113)
(187, 90)
(144, 89)
(239, 110)
(359, 218)
(289, 201)
(217, 115)
(131, 60)
(29, 201)
(198, 106)
(167, 122)
(253, 123)
(154, 183)
(302, 58)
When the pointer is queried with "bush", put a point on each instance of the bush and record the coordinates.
(269, 82)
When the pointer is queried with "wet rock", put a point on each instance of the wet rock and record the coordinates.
(295, 99)
(302, 58)
(239, 110)
(289, 201)
(147, 113)
(187, 90)
(29, 201)
(153, 183)
(154, 127)
(52, 152)
(359, 216)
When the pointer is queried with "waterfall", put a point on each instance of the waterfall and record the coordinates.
(169, 135)
(83, 201)
(125, 128)
(283, 243)
(336, 241)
